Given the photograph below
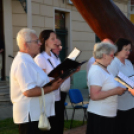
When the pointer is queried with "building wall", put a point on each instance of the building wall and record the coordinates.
(7, 32)
(131, 9)
(19, 20)
(80, 34)
(123, 7)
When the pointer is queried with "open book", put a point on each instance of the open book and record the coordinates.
(74, 54)
(67, 67)
(124, 80)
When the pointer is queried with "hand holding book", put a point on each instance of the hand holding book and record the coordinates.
(131, 91)
(67, 68)
(124, 80)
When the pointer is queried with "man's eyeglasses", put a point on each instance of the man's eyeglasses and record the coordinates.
(36, 41)
(59, 46)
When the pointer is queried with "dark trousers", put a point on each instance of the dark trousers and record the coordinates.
(125, 122)
(97, 124)
(30, 128)
(57, 121)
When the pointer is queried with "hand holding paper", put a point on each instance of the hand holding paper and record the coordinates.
(124, 80)
(131, 91)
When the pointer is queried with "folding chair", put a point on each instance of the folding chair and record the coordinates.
(75, 98)
(65, 111)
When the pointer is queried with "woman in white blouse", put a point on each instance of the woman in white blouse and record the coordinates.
(103, 90)
(125, 115)
(46, 60)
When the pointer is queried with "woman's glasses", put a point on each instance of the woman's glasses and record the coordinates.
(127, 50)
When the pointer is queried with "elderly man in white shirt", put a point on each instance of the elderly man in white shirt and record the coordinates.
(66, 84)
(64, 88)
(26, 80)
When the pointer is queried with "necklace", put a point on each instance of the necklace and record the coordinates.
(101, 65)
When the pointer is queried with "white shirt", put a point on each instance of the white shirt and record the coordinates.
(42, 60)
(108, 106)
(65, 86)
(25, 75)
(126, 100)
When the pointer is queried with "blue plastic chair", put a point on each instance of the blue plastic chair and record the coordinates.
(75, 98)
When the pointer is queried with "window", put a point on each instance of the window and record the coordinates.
(59, 20)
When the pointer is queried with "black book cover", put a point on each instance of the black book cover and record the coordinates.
(66, 68)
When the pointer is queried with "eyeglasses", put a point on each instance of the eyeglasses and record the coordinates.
(127, 50)
(59, 46)
(36, 41)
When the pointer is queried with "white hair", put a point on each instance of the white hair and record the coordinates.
(103, 48)
(23, 36)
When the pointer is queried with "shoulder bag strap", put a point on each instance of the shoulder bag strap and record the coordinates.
(42, 100)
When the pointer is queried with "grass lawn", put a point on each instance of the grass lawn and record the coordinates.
(8, 127)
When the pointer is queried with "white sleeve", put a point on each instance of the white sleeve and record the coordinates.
(113, 68)
(65, 86)
(90, 62)
(41, 62)
(26, 76)
(95, 78)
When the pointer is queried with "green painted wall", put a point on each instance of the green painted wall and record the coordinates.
(79, 80)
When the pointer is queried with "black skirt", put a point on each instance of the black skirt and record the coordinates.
(125, 122)
(97, 124)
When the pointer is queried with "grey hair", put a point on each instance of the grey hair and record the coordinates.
(103, 48)
(23, 36)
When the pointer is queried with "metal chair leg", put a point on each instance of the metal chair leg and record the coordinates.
(85, 115)
(65, 112)
(72, 118)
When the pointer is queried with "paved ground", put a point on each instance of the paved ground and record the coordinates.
(79, 130)
(5, 112)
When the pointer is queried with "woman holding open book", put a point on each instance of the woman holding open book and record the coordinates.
(46, 60)
(125, 114)
(103, 90)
